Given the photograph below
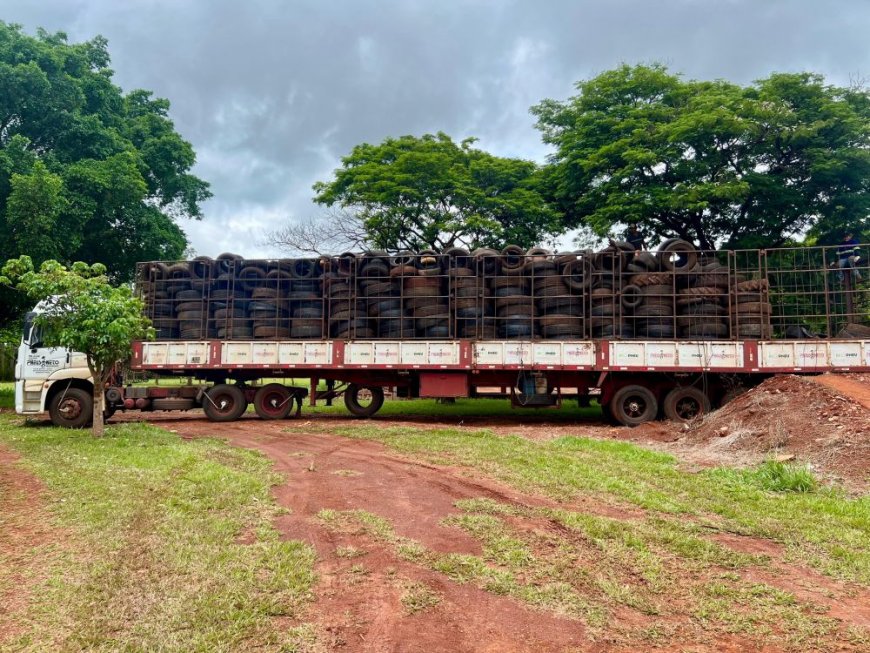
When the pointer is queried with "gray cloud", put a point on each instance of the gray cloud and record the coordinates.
(272, 93)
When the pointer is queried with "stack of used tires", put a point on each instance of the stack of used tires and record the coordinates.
(347, 315)
(559, 286)
(676, 292)
(751, 309)
(424, 300)
(702, 305)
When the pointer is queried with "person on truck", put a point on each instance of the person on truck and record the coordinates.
(634, 238)
(848, 256)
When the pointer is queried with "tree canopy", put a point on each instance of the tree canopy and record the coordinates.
(82, 312)
(710, 161)
(87, 172)
(419, 192)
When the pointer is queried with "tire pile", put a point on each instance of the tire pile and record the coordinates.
(676, 292)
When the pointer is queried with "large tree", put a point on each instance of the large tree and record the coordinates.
(87, 172)
(710, 161)
(419, 192)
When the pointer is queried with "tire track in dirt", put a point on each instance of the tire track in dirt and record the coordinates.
(362, 611)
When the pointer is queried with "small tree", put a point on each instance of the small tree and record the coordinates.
(84, 313)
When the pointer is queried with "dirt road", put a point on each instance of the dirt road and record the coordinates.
(359, 600)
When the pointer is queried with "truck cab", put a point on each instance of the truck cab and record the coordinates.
(51, 379)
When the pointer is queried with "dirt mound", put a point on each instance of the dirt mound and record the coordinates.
(819, 420)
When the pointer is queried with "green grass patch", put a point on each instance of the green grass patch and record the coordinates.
(163, 544)
(7, 395)
(778, 476)
(466, 409)
(417, 597)
(824, 528)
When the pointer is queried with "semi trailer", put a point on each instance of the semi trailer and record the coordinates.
(669, 334)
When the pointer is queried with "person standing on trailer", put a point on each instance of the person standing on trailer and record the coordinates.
(634, 238)
(848, 256)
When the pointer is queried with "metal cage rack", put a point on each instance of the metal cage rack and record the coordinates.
(677, 292)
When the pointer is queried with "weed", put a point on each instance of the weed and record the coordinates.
(417, 597)
(349, 552)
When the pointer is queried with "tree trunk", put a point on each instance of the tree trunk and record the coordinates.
(99, 395)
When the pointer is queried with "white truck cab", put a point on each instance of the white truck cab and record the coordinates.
(51, 379)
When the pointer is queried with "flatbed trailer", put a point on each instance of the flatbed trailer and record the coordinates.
(635, 381)
(666, 334)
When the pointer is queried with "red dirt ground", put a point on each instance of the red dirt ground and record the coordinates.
(23, 526)
(324, 470)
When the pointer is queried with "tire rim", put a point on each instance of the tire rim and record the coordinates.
(225, 404)
(273, 402)
(688, 408)
(70, 409)
(634, 407)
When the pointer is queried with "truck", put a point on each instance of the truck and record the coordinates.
(648, 335)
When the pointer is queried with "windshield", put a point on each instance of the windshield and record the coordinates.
(31, 335)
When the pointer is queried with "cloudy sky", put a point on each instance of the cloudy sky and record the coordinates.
(272, 93)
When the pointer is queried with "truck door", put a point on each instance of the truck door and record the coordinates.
(35, 365)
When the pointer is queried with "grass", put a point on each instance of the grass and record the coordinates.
(7, 395)
(159, 544)
(417, 597)
(464, 409)
(823, 528)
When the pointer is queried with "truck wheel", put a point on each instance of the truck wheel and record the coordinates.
(224, 403)
(273, 401)
(363, 401)
(684, 404)
(632, 405)
(71, 408)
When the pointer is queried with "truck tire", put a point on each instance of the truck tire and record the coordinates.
(633, 405)
(273, 401)
(224, 403)
(685, 404)
(363, 401)
(72, 408)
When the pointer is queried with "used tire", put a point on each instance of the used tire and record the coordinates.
(363, 401)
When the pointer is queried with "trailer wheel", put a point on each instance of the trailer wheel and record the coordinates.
(224, 403)
(273, 401)
(684, 404)
(363, 401)
(632, 405)
(71, 408)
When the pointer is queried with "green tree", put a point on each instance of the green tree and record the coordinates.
(87, 172)
(710, 161)
(415, 193)
(83, 312)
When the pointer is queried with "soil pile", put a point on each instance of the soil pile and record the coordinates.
(819, 420)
